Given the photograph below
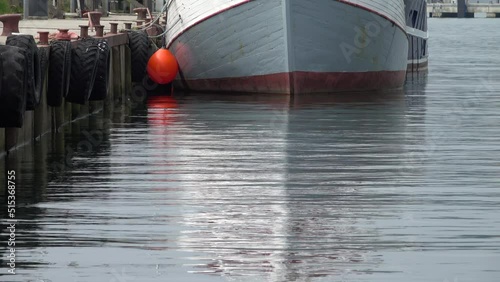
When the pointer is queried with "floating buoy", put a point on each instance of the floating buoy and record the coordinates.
(162, 67)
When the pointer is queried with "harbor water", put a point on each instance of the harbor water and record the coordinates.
(396, 186)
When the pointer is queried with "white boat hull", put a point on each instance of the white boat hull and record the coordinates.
(288, 46)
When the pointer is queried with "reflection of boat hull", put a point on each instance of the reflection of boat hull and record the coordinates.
(289, 46)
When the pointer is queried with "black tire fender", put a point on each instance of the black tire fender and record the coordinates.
(13, 86)
(59, 72)
(83, 71)
(139, 43)
(1, 75)
(101, 83)
(34, 87)
(44, 66)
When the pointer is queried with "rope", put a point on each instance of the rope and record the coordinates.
(164, 9)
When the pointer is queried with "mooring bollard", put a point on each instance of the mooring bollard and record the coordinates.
(44, 37)
(63, 34)
(10, 23)
(94, 19)
(141, 13)
(99, 31)
(84, 31)
(114, 28)
(139, 22)
(128, 26)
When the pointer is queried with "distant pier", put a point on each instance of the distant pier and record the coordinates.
(462, 9)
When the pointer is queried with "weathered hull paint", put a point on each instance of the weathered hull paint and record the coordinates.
(290, 46)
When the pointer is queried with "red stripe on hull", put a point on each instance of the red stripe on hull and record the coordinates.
(301, 82)
(313, 82)
(271, 83)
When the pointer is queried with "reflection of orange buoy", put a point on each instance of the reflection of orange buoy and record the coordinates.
(162, 102)
(162, 110)
(162, 67)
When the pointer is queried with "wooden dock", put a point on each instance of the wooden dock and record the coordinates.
(46, 119)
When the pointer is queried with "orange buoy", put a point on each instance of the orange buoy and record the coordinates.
(162, 67)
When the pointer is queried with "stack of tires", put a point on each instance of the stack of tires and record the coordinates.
(14, 75)
(76, 73)
(139, 45)
(89, 78)
(21, 84)
(59, 72)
